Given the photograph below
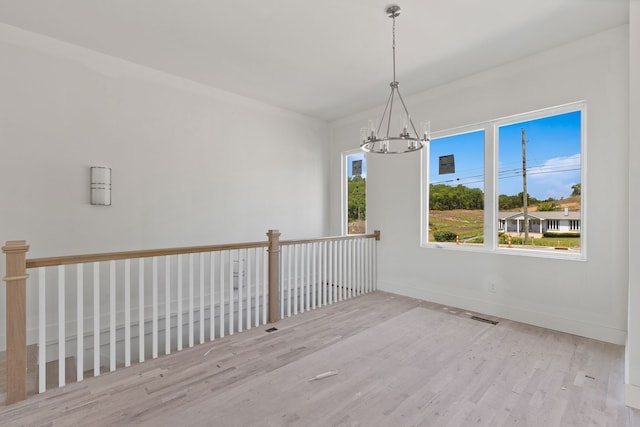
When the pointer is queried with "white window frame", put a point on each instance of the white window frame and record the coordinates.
(424, 185)
(344, 188)
(491, 163)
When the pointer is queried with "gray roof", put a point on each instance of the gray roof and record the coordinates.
(541, 215)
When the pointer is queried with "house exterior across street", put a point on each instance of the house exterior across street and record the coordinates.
(540, 222)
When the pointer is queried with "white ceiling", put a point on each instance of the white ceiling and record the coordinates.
(324, 58)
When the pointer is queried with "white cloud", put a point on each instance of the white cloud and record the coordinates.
(554, 177)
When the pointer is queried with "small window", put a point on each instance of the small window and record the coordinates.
(354, 211)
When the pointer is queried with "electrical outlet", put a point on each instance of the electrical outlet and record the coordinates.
(493, 287)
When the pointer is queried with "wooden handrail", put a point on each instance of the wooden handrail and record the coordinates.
(147, 253)
(331, 239)
(112, 256)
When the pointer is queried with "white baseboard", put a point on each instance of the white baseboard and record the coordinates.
(518, 314)
(632, 396)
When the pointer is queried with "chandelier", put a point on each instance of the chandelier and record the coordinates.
(408, 139)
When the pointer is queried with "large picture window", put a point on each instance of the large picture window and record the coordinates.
(516, 185)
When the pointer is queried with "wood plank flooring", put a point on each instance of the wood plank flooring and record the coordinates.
(399, 362)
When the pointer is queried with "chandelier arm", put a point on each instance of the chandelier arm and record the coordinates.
(408, 115)
(389, 100)
(390, 111)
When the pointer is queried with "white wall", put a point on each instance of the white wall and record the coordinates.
(632, 392)
(191, 165)
(589, 297)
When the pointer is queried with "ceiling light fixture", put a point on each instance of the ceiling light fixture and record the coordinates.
(408, 139)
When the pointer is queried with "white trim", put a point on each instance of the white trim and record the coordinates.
(632, 396)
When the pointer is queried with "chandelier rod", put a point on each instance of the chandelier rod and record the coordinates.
(393, 46)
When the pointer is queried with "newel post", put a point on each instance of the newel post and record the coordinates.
(16, 284)
(274, 275)
(376, 233)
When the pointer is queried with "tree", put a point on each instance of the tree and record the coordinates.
(506, 203)
(576, 189)
(548, 206)
(446, 197)
(357, 197)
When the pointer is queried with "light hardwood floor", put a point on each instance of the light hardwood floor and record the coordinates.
(399, 362)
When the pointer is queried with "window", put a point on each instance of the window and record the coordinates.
(456, 188)
(513, 184)
(539, 180)
(354, 210)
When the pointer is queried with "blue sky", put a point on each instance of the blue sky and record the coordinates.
(553, 157)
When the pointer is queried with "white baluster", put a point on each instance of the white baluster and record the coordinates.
(221, 260)
(61, 327)
(307, 295)
(296, 277)
(212, 297)
(42, 331)
(374, 261)
(112, 316)
(154, 308)
(314, 274)
(284, 256)
(240, 284)
(332, 271)
(141, 310)
(127, 312)
(249, 283)
(264, 287)
(371, 265)
(79, 322)
(191, 309)
(349, 268)
(358, 258)
(96, 319)
(290, 256)
(362, 250)
(357, 251)
(302, 277)
(179, 297)
(258, 276)
(365, 264)
(167, 304)
(201, 304)
(323, 274)
(231, 292)
(359, 266)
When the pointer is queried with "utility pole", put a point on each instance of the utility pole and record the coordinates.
(524, 187)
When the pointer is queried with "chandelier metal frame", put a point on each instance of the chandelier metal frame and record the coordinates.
(408, 140)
